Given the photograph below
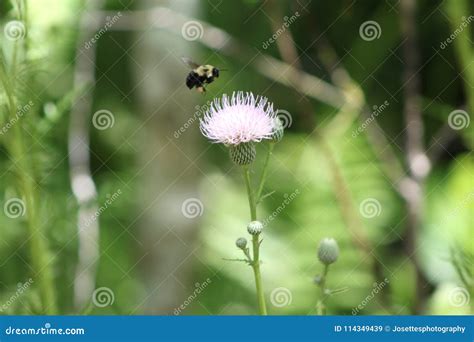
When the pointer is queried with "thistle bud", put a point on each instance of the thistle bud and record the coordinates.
(328, 251)
(241, 243)
(278, 131)
(255, 227)
(242, 154)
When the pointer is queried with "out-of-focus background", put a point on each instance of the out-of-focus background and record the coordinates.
(114, 203)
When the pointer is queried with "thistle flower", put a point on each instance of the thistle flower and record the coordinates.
(241, 118)
(239, 121)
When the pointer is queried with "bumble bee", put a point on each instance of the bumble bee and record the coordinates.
(200, 75)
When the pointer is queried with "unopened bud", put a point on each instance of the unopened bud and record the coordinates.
(278, 130)
(328, 251)
(255, 227)
(241, 243)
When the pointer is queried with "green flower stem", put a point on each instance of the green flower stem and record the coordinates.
(38, 250)
(256, 271)
(323, 293)
(271, 145)
(251, 196)
(255, 245)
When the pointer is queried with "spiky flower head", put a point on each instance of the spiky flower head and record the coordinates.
(328, 251)
(243, 154)
(241, 118)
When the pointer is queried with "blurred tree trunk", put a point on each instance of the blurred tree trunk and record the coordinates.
(416, 159)
(169, 174)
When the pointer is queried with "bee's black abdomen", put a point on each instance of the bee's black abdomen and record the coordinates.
(192, 80)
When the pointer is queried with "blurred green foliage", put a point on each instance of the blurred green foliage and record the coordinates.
(290, 241)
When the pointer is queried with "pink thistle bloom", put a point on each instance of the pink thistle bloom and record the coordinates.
(242, 118)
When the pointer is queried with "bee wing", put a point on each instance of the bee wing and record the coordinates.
(189, 62)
